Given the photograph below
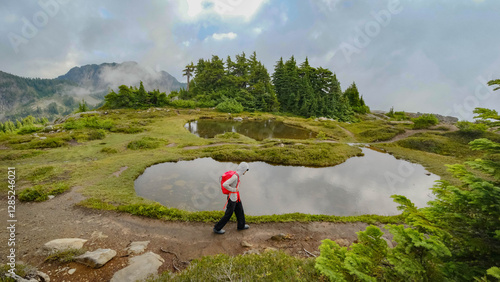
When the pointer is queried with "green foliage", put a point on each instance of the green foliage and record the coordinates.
(36, 193)
(28, 129)
(362, 262)
(471, 129)
(21, 269)
(82, 107)
(230, 106)
(357, 103)
(146, 143)
(108, 150)
(132, 97)
(425, 121)
(94, 122)
(270, 266)
(321, 136)
(98, 134)
(65, 256)
(46, 143)
(398, 116)
(228, 135)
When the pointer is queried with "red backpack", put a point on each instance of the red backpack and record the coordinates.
(226, 176)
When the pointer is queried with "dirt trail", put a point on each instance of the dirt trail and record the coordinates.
(411, 132)
(39, 223)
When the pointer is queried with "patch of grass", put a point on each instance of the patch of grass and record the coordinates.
(108, 150)
(33, 194)
(42, 144)
(40, 193)
(158, 211)
(373, 131)
(98, 134)
(21, 269)
(65, 256)
(269, 266)
(28, 129)
(41, 173)
(318, 155)
(20, 155)
(146, 143)
(94, 122)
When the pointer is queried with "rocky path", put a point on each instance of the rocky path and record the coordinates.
(39, 223)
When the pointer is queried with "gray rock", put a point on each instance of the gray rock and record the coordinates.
(63, 244)
(270, 249)
(71, 271)
(139, 268)
(246, 244)
(137, 247)
(44, 277)
(48, 128)
(238, 119)
(51, 197)
(43, 138)
(96, 258)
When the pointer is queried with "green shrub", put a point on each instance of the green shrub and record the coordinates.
(230, 106)
(470, 129)
(48, 143)
(146, 143)
(108, 150)
(189, 104)
(425, 121)
(94, 122)
(36, 193)
(98, 134)
(27, 129)
(321, 136)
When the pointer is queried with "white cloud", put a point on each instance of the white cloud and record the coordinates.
(224, 8)
(257, 30)
(222, 36)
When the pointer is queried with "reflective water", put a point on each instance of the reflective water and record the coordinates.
(361, 185)
(258, 130)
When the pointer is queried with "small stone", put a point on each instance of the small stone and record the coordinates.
(246, 244)
(64, 244)
(96, 258)
(140, 267)
(270, 249)
(98, 235)
(137, 247)
(279, 237)
(45, 277)
(43, 138)
(71, 271)
(51, 197)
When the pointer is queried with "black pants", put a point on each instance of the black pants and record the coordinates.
(237, 208)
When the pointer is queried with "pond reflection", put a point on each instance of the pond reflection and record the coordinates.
(258, 130)
(361, 185)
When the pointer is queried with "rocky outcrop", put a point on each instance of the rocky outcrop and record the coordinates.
(63, 244)
(97, 258)
(137, 247)
(139, 268)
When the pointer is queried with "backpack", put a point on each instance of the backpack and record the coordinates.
(226, 176)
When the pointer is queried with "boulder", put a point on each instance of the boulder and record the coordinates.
(137, 247)
(96, 258)
(48, 128)
(139, 268)
(63, 244)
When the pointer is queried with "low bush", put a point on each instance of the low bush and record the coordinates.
(230, 106)
(108, 150)
(146, 143)
(425, 121)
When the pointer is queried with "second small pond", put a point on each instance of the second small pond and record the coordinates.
(258, 130)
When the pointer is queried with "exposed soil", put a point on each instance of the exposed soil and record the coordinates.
(39, 223)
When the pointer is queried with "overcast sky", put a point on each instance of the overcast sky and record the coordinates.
(415, 55)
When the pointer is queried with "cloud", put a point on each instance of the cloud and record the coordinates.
(222, 36)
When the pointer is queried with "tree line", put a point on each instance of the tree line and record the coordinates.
(135, 98)
(245, 82)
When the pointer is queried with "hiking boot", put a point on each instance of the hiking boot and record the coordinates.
(222, 231)
(246, 227)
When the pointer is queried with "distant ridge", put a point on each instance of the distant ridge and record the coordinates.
(20, 96)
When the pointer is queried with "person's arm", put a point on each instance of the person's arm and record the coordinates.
(228, 183)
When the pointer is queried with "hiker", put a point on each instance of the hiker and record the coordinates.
(233, 201)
